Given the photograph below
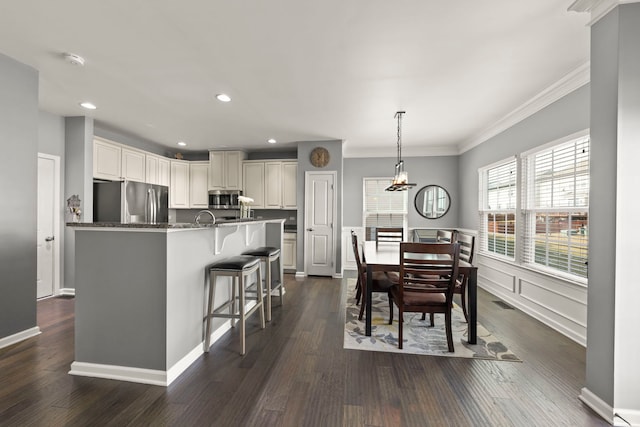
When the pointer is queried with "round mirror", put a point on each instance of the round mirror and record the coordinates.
(432, 201)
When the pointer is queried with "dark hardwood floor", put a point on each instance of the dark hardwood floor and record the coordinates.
(296, 373)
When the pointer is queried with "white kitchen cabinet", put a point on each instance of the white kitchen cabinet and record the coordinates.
(290, 185)
(106, 160)
(151, 169)
(164, 171)
(288, 253)
(179, 188)
(253, 182)
(225, 170)
(273, 185)
(198, 183)
(133, 165)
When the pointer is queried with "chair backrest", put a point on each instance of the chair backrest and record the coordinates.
(389, 234)
(445, 236)
(356, 253)
(467, 246)
(430, 267)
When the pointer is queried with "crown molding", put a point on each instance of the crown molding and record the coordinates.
(407, 151)
(597, 8)
(572, 81)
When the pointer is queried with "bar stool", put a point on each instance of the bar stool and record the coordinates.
(238, 268)
(268, 254)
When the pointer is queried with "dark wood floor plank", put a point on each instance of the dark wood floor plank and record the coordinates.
(296, 373)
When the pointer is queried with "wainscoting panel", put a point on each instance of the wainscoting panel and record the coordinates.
(560, 304)
(496, 276)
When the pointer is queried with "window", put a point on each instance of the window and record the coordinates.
(382, 208)
(498, 199)
(546, 225)
(555, 206)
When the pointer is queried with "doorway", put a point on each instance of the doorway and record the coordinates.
(320, 214)
(48, 226)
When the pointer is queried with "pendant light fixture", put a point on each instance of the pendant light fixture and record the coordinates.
(400, 178)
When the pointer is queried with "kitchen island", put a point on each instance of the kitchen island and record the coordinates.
(141, 293)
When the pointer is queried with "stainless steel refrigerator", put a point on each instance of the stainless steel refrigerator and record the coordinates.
(130, 202)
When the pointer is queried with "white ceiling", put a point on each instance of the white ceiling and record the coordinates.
(296, 70)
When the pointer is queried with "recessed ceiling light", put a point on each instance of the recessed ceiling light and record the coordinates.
(88, 105)
(223, 97)
(271, 141)
(182, 144)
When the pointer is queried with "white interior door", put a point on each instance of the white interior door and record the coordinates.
(48, 202)
(319, 227)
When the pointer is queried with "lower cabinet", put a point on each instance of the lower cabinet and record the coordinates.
(289, 251)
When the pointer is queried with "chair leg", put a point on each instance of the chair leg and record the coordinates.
(242, 315)
(424, 316)
(232, 307)
(463, 299)
(390, 308)
(212, 291)
(400, 322)
(358, 291)
(267, 283)
(447, 316)
(260, 299)
(431, 317)
(362, 304)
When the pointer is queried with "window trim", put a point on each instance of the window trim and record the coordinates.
(522, 211)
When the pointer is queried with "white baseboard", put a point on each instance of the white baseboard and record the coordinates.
(20, 336)
(337, 275)
(145, 376)
(301, 274)
(122, 373)
(67, 292)
(600, 407)
(626, 417)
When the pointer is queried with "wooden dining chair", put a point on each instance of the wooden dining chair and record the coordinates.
(395, 234)
(380, 281)
(445, 236)
(426, 283)
(467, 246)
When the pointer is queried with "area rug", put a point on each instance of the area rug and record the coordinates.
(419, 336)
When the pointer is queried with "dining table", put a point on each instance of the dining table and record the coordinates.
(386, 257)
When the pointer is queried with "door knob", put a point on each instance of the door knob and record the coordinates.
(309, 229)
(49, 239)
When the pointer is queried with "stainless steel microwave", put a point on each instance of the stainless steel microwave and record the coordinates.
(224, 199)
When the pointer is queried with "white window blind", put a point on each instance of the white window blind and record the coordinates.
(555, 206)
(382, 208)
(498, 201)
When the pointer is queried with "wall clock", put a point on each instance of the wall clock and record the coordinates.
(319, 157)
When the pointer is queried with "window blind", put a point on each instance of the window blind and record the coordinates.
(555, 206)
(382, 208)
(498, 203)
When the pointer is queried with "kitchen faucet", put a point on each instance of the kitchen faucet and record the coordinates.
(213, 217)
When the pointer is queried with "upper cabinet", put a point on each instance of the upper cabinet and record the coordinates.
(272, 183)
(133, 165)
(225, 170)
(290, 185)
(179, 188)
(253, 178)
(157, 170)
(198, 194)
(106, 160)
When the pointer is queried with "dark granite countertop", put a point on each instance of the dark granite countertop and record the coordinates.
(164, 225)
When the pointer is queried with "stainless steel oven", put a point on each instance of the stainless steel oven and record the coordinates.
(224, 199)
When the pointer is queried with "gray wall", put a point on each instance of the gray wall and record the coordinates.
(442, 171)
(564, 117)
(18, 186)
(304, 164)
(604, 105)
(116, 135)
